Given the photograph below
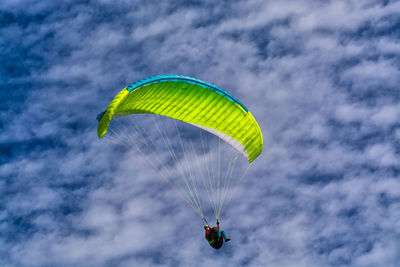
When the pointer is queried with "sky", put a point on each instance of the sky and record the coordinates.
(320, 77)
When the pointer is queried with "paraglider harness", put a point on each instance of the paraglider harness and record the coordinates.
(213, 239)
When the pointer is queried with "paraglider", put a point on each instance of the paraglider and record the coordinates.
(198, 138)
(215, 236)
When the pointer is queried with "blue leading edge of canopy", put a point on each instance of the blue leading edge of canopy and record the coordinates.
(180, 78)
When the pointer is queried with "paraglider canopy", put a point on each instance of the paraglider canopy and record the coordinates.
(192, 101)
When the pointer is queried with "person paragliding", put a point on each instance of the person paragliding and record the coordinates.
(215, 236)
(194, 136)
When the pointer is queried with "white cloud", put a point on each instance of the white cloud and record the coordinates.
(321, 79)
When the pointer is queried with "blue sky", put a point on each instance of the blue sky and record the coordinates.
(321, 78)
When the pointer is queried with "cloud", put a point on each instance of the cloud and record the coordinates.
(321, 78)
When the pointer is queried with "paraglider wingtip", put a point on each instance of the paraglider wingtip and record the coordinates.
(98, 118)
